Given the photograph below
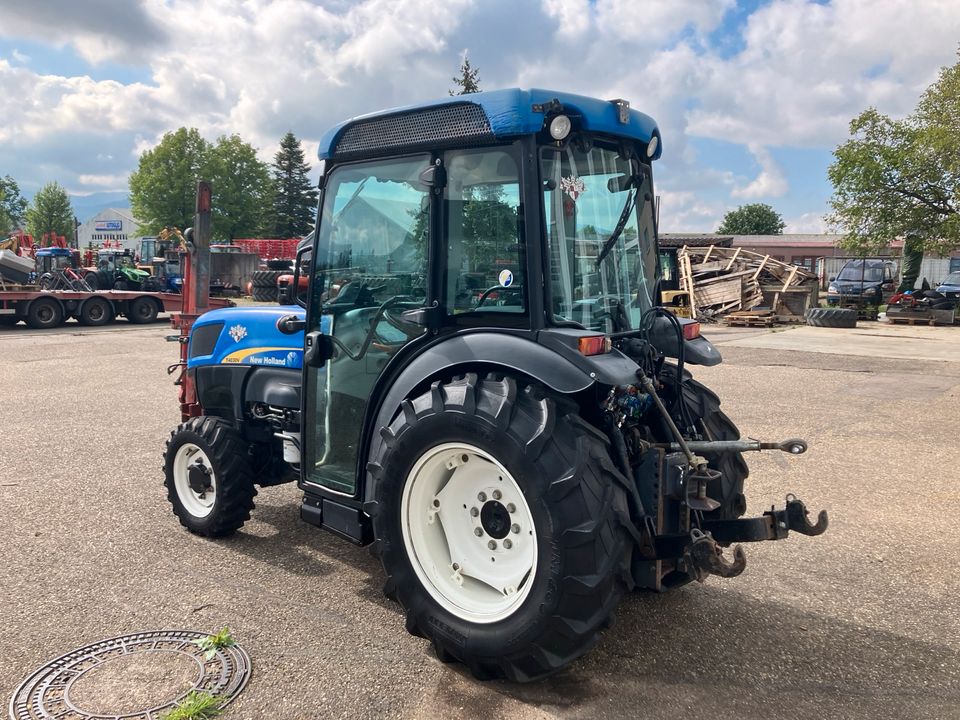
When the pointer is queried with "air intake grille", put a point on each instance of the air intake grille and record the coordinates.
(417, 129)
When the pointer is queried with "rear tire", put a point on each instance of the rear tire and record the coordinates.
(208, 477)
(44, 313)
(832, 317)
(714, 424)
(556, 471)
(264, 294)
(91, 280)
(143, 310)
(121, 285)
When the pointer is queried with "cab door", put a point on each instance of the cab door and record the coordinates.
(370, 267)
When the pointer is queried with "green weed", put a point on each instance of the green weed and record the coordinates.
(197, 705)
(211, 643)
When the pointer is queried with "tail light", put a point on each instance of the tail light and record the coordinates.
(691, 331)
(595, 345)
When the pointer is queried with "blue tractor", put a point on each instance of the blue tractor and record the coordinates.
(479, 382)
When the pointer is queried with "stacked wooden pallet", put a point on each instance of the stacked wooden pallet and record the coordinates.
(728, 280)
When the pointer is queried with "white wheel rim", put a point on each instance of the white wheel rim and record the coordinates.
(198, 504)
(455, 502)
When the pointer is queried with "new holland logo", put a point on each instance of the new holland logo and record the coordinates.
(238, 333)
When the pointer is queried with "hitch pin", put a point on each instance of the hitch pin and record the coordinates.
(793, 446)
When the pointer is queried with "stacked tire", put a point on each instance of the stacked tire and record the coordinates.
(264, 285)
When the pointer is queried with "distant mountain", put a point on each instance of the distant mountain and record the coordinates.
(86, 206)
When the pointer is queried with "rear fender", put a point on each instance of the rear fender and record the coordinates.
(473, 352)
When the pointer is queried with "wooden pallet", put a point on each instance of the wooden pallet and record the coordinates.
(751, 319)
(918, 321)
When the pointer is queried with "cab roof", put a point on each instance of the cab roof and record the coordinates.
(483, 117)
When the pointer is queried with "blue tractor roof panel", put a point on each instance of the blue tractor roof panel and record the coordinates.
(484, 117)
(53, 252)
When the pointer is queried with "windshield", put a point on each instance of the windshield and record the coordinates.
(952, 279)
(599, 278)
(856, 272)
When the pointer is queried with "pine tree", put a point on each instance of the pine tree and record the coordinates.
(469, 79)
(295, 199)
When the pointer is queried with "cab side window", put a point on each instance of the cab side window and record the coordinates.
(485, 262)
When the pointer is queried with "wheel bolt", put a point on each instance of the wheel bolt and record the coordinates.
(507, 544)
(436, 503)
(497, 495)
(492, 544)
(511, 508)
(478, 531)
(474, 512)
(482, 497)
(456, 566)
(515, 528)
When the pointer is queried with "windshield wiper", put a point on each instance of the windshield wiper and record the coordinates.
(618, 230)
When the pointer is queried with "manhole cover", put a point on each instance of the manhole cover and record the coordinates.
(132, 677)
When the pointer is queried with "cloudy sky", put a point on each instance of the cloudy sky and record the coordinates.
(751, 96)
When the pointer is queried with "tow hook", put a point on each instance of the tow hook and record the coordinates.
(707, 557)
(796, 513)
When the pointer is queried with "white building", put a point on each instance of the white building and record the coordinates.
(113, 226)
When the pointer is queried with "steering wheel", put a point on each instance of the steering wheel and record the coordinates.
(490, 290)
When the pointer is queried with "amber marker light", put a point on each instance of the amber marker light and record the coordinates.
(594, 345)
(691, 331)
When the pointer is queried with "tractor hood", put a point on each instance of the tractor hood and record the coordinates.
(246, 336)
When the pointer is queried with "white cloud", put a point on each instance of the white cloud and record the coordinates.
(103, 182)
(261, 67)
(768, 183)
(807, 223)
(686, 211)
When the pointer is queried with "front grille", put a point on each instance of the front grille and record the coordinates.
(461, 121)
(204, 339)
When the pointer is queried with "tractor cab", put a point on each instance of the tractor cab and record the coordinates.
(51, 259)
(480, 381)
(117, 269)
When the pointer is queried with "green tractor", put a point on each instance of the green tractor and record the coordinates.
(117, 270)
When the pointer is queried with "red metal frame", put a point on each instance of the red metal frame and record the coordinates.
(196, 295)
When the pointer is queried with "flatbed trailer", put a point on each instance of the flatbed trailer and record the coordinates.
(42, 309)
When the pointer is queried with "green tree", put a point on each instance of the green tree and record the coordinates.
(13, 206)
(164, 185)
(242, 189)
(295, 198)
(489, 225)
(753, 219)
(468, 81)
(50, 211)
(899, 178)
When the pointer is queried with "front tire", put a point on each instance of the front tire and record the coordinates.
(208, 477)
(44, 314)
(514, 586)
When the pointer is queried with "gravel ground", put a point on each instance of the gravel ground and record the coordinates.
(863, 622)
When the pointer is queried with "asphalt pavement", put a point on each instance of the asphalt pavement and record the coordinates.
(862, 622)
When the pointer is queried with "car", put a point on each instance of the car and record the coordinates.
(950, 286)
(867, 281)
